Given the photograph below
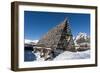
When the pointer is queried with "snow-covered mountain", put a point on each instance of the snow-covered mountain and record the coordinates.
(82, 46)
(82, 41)
(81, 35)
(30, 41)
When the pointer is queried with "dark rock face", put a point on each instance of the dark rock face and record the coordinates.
(60, 37)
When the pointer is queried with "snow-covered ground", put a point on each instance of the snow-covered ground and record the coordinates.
(67, 55)
(73, 55)
(38, 57)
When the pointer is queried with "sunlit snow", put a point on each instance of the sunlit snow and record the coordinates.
(67, 55)
(73, 55)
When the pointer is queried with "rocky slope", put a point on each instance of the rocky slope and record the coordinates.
(82, 41)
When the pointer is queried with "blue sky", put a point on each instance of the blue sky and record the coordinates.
(36, 24)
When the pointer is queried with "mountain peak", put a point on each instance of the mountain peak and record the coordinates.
(81, 35)
(66, 19)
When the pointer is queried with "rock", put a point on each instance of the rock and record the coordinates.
(59, 37)
(82, 42)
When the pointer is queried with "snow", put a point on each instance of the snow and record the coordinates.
(35, 41)
(81, 35)
(73, 55)
(38, 57)
(67, 55)
(27, 41)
